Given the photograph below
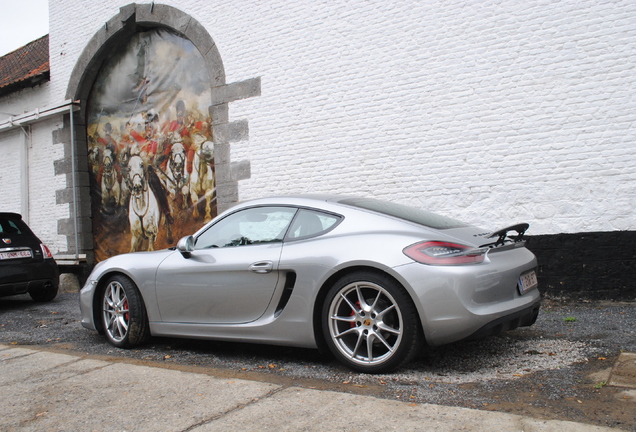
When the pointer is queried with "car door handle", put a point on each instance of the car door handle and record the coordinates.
(262, 267)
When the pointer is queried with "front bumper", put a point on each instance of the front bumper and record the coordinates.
(86, 304)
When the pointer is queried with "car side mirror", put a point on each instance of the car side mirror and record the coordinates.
(186, 246)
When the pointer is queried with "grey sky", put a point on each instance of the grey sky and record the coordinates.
(21, 22)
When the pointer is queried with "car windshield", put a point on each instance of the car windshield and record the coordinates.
(410, 214)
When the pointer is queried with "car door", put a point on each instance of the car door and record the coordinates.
(232, 273)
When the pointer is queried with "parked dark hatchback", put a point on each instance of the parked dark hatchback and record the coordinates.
(26, 264)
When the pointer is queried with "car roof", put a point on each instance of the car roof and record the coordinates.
(381, 208)
(328, 202)
(10, 215)
(298, 199)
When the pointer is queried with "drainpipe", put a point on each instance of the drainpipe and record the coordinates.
(74, 182)
(24, 172)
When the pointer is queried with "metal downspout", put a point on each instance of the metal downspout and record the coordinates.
(74, 181)
(24, 172)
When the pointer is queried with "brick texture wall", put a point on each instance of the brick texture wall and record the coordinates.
(42, 183)
(592, 265)
(10, 175)
(492, 112)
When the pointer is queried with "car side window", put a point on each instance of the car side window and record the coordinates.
(254, 225)
(310, 223)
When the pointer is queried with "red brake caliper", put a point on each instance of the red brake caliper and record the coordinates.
(127, 314)
(353, 324)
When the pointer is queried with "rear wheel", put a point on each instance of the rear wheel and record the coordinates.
(123, 313)
(370, 323)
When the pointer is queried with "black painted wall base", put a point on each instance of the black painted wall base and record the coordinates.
(594, 265)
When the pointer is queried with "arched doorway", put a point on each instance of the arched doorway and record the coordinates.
(152, 131)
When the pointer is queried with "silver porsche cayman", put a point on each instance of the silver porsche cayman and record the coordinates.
(368, 280)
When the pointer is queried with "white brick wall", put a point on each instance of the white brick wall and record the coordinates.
(43, 212)
(489, 112)
(10, 144)
(492, 112)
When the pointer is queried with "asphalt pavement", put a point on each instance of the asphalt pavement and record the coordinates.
(49, 391)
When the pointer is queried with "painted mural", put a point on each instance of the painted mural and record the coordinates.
(150, 145)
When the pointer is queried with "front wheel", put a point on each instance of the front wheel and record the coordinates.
(370, 323)
(123, 313)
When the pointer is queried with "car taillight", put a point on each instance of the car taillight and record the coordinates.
(445, 253)
(46, 252)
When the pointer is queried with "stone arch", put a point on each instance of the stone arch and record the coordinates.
(131, 19)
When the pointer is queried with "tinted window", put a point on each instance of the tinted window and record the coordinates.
(246, 227)
(411, 214)
(8, 226)
(310, 223)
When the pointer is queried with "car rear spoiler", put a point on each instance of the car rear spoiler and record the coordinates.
(502, 235)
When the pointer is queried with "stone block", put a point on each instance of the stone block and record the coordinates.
(227, 193)
(223, 173)
(222, 153)
(63, 196)
(164, 14)
(65, 227)
(219, 114)
(61, 135)
(231, 132)
(236, 91)
(62, 166)
(240, 170)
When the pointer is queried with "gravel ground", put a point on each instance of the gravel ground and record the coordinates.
(556, 369)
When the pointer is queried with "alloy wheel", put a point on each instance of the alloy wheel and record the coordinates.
(116, 313)
(365, 323)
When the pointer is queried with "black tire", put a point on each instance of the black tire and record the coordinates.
(123, 313)
(44, 294)
(370, 323)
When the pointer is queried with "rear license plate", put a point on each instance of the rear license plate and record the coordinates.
(527, 281)
(15, 254)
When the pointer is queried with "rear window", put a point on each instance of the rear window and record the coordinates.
(9, 226)
(311, 223)
(410, 214)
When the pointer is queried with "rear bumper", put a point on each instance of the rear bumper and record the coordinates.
(461, 302)
(28, 277)
(522, 318)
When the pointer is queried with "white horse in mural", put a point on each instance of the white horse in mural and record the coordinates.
(177, 178)
(202, 177)
(110, 182)
(93, 159)
(143, 210)
(122, 159)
